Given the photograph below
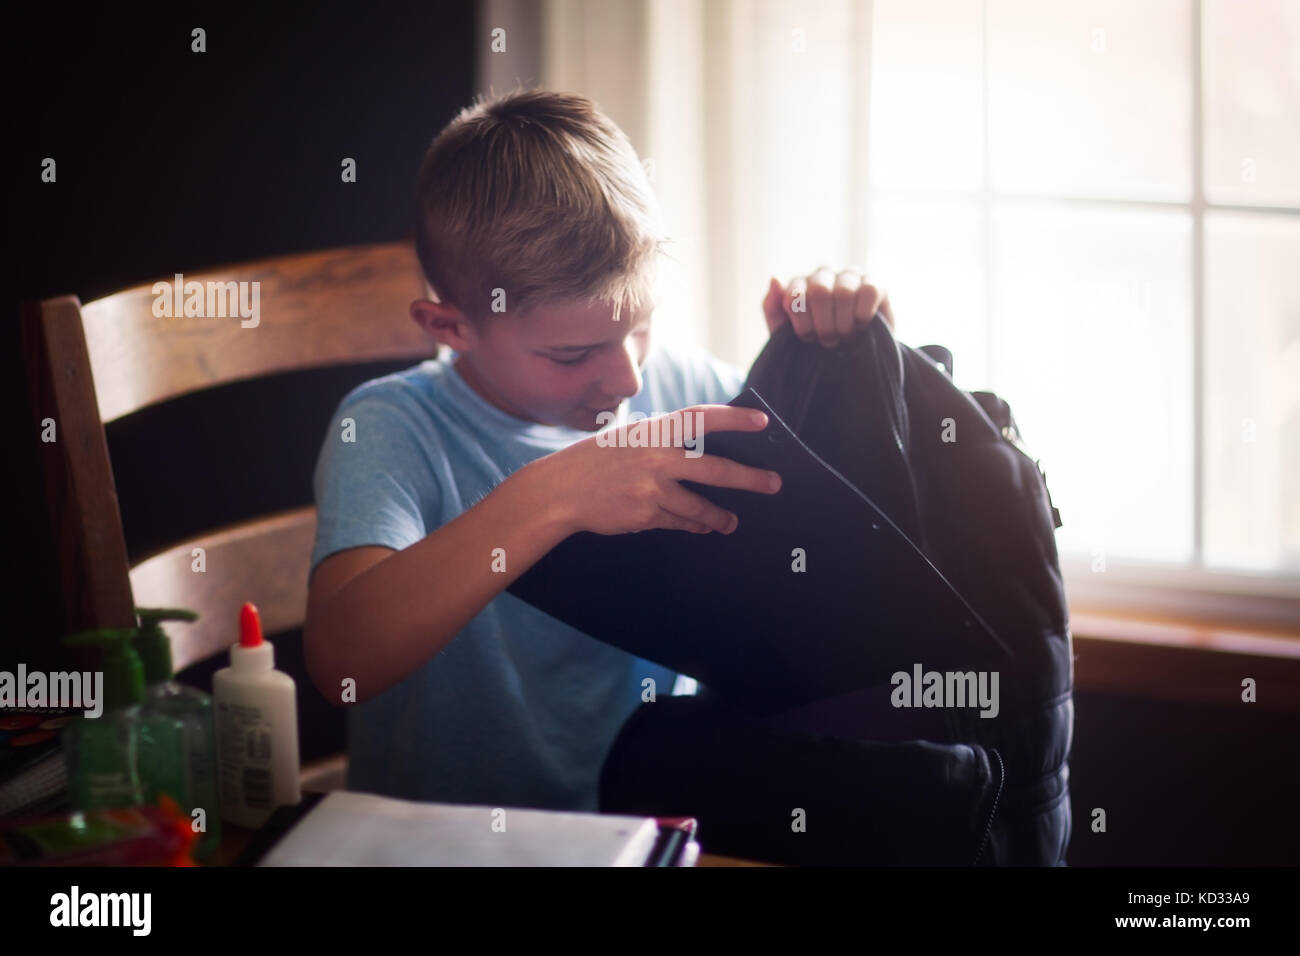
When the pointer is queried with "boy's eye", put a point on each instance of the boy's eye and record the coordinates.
(573, 361)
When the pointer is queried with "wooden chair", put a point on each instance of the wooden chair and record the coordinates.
(93, 364)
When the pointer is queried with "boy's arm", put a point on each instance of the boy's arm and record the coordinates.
(376, 615)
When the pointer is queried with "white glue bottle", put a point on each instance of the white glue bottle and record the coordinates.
(257, 729)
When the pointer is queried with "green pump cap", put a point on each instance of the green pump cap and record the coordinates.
(151, 643)
(123, 672)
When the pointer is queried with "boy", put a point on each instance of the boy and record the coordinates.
(438, 486)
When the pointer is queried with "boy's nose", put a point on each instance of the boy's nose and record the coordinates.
(623, 379)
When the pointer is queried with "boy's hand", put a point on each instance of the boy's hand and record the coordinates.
(601, 485)
(825, 306)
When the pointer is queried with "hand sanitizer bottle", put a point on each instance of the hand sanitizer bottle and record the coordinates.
(257, 729)
(123, 757)
(166, 697)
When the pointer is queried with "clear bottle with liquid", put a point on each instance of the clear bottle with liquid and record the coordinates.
(124, 757)
(164, 696)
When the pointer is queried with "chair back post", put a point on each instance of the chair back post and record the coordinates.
(81, 497)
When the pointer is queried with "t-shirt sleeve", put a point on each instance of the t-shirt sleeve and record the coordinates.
(374, 482)
(704, 379)
(721, 381)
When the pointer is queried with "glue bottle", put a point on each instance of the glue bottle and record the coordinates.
(257, 729)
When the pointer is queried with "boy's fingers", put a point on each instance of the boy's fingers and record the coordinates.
(692, 507)
(727, 418)
(801, 318)
(725, 473)
(774, 306)
(870, 301)
(865, 306)
(874, 297)
(821, 305)
(848, 285)
(674, 522)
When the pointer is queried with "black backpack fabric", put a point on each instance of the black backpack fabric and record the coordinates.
(951, 468)
(926, 538)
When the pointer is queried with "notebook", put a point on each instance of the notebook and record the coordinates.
(360, 829)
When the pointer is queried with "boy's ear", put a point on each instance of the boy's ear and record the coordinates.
(444, 323)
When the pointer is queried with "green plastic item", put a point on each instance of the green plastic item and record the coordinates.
(167, 697)
(124, 757)
(123, 669)
(152, 644)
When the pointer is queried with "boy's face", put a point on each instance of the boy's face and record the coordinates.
(561, 364)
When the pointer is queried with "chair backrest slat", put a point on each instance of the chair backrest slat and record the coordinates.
(314, 310)
(264, 561)
(92, 364)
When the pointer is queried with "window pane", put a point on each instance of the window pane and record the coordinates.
(1092, 346)
(927, 128)
(804, 145)
(783, 175)
(927, 256)
(1252, 101)
(1091, 99)
(1252, 349)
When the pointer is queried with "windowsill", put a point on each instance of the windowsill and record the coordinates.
(1185, 660)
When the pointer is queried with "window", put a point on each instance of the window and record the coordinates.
(1096, 206)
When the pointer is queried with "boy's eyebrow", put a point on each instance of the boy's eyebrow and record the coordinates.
(593, 345)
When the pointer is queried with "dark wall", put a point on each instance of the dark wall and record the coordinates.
(170, 160)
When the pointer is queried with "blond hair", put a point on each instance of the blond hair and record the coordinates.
(539, 194)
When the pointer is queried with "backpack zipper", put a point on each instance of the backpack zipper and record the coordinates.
(1002, 776)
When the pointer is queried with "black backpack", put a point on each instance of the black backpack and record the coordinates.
(927, 540)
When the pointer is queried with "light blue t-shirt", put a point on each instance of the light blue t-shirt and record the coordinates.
(519, 709)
